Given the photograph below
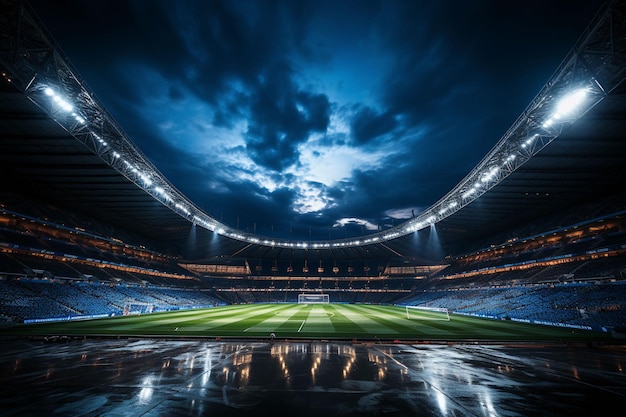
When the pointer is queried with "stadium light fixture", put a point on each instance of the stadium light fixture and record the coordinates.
(182, 208)
(566, 106)
(489, 175)
(162, 192)
(468, 193)
(529, 141)
(570, 103)
(146, 179)
(58, 100)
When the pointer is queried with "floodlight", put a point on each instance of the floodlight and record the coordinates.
(529, 140)
(146, 179)
(570, 102)
(487, 176)
(61, 102)
(469, 192)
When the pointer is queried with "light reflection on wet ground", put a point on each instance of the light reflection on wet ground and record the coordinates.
(201, 378)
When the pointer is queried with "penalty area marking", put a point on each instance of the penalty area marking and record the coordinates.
(300, 328)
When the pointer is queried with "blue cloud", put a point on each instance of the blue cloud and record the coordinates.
(240, 104)
(367, 124)
(282, 117)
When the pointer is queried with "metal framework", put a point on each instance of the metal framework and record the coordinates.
(34, 63)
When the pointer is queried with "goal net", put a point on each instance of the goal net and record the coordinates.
(427, 313)
(138, 308)
(313, 299)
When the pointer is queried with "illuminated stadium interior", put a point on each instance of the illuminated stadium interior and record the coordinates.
(95, 169)
(90, 228)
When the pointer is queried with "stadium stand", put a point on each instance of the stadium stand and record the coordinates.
(56, 265)
(557, 254)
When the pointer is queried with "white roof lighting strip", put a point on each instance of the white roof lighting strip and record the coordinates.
(571, 92)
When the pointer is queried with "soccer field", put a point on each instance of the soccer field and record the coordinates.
(309, 321)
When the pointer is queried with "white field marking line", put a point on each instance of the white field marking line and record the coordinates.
(276, 313)
(303, 321)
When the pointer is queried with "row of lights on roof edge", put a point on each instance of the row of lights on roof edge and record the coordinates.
(564, 107)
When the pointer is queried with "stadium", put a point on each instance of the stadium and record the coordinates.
(119, 295)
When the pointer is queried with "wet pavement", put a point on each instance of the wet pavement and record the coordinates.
(146, 377)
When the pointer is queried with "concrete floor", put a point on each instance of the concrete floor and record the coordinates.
(140, 377)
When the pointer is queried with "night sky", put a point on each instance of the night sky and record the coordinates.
(321, 119)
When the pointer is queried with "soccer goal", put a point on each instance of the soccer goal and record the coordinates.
(427, 313)
(138, 308)
(313, 299)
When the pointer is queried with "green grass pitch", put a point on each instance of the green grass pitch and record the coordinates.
(309, 321)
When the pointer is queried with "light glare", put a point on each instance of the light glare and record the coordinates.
(571, 102)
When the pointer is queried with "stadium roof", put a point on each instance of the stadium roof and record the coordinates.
(50, 158)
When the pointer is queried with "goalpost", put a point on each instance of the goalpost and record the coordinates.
(313, 299)
(427, 313)
(133, 307)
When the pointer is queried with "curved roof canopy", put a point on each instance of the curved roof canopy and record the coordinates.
(59, 144)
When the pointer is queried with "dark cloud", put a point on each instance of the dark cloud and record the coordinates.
(245, 209)
(368, 124)
(250, 107)
(231, 109)
(474, 58)
(282, 117)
